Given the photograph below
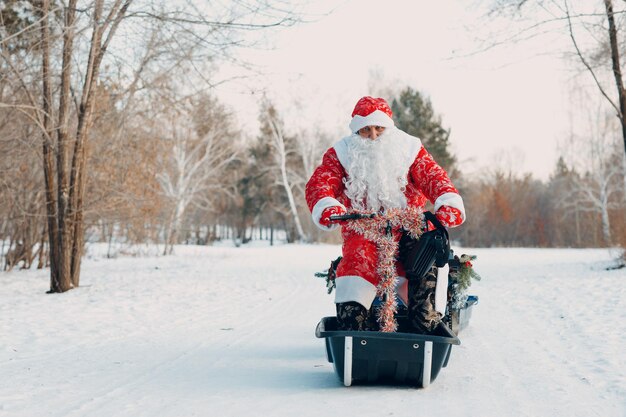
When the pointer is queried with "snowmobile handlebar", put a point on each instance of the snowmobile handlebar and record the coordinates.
(428, 216)
(352, 216)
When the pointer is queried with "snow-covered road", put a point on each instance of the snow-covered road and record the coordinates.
(230, 332)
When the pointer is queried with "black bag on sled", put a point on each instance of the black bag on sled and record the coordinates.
(419, 255)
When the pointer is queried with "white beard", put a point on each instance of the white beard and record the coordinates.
(377, 172)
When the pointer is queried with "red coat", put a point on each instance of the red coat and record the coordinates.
(357, 275)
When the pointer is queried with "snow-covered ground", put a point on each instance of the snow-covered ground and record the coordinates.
(230, 331)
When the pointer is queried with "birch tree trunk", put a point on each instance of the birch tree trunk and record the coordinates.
(175, 224)
(606, 224)
(279, 144)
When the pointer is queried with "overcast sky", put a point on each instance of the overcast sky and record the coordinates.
(507, 107)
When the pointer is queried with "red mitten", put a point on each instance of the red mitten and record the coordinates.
(449, 216)
(331, 211)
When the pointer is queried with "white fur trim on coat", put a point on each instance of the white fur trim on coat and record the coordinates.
(320, 206)
(354, 288)
(451, 200)
(375, 118)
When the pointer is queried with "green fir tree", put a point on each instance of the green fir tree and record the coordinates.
(414, 113)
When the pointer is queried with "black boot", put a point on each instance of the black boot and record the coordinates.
(421, 309)
(353, 316)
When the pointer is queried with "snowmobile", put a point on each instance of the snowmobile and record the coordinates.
(405, 356)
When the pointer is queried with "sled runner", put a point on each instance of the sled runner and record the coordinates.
(404, 356)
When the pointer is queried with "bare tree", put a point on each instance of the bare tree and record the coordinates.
(274, 128)
(65, 143)
(616, 65)
(584, 23)
(68, 44)
(22, 197)
(122, 200)
(196, 152)
(599, 188)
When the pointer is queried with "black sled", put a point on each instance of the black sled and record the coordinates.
(376, 357)
(403, 357)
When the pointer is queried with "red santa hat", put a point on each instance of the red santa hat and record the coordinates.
(370, 111)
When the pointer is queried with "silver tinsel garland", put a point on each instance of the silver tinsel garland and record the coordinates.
(384, 231)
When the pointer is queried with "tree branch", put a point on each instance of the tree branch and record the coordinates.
(584, 61)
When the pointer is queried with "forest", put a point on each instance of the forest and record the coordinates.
(104, 139)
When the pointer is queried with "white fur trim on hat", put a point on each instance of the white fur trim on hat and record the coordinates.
(375, 118)
(319, 207)
(451, 200)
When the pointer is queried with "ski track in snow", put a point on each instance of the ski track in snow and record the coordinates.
(230, 332)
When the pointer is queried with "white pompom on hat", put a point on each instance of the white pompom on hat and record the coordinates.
(370, 111)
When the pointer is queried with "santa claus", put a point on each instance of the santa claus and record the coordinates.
(378, 168)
